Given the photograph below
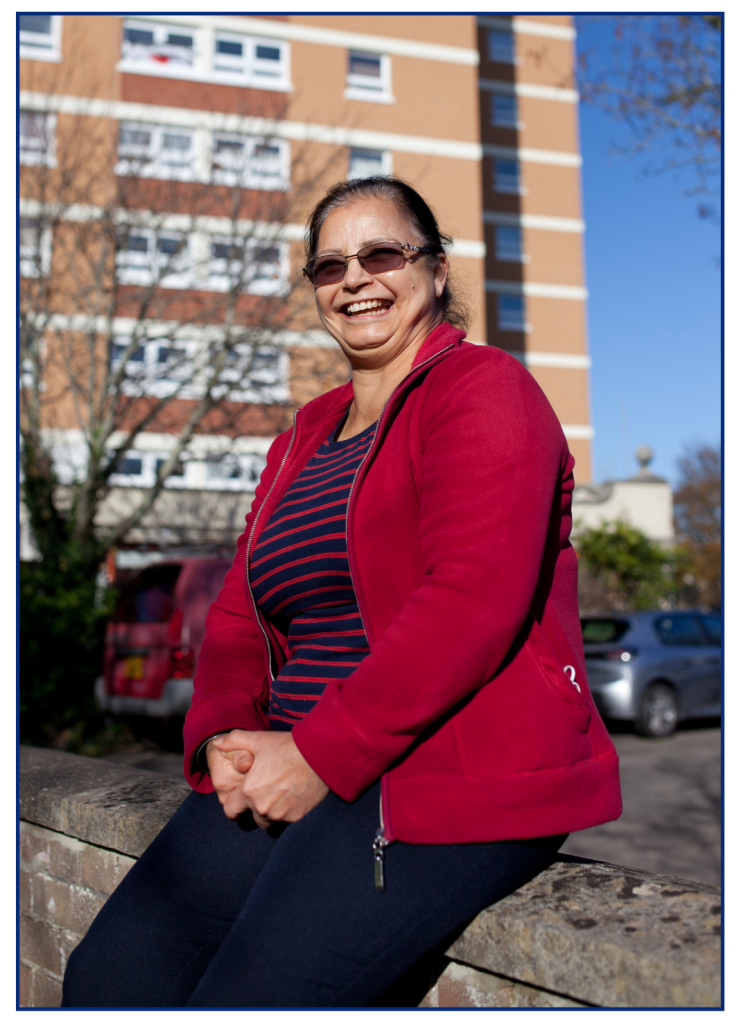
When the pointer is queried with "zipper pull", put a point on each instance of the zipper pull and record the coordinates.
(379, 842)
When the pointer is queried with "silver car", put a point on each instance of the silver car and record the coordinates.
(654, 668)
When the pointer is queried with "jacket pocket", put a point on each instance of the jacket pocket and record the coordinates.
(561, 678)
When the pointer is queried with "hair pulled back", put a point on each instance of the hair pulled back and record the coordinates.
(409, 203)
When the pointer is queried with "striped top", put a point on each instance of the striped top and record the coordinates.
(300, 578)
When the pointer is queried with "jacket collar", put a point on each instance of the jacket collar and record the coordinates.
(331, 405)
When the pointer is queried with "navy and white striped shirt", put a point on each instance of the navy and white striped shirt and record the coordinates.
(301, 580)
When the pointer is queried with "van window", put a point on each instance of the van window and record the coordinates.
(603, 631)
(680, 631)
(149, 597)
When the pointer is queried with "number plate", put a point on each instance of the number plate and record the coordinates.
(134, 668)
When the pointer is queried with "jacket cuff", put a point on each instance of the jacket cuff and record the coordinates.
(336, 751)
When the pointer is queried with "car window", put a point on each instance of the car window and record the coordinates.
(680, 631)
(149, 596)
(603, 631)
(713, 628)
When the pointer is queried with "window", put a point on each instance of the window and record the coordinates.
(158, 367)
(509, 244)
(155, 151)
(139, 469)
(603, 631)
(240, 160)
(255, 374)
(713, 628)
(199, 54)
(680, 631)
(146, 257)
(510, 312)
(35, 247)
(502, 47)
(503, 110)
(248, 265)
(233, 472)
(150, 44)
(507, 177)
(246, 61)
(36, 131)
(365, 163)
(39, 36)
(368, 77)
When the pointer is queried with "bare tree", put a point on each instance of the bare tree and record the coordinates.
(663, 81)
(697, 508)
(156, 288)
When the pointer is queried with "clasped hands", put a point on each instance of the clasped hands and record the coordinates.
(263, 772)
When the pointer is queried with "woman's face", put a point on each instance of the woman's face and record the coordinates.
(404, 304)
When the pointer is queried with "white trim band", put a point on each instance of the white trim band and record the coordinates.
(213, 121)
(534, 156)
(578, 431)
(534, 221)
(295, 130)
(537, 290)
(80, 213)
(535, 92)
(298, 33)
(524, 26)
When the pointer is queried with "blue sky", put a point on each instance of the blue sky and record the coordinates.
(653, 274)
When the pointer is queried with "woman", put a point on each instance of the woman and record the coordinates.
(394, 665)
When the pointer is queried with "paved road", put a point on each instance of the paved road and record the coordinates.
(671, 796)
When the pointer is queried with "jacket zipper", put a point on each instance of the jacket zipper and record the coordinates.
(379, 841)
(249, 546)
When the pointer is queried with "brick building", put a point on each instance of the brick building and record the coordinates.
(204, 140)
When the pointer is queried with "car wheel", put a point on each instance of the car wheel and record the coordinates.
(659, 713)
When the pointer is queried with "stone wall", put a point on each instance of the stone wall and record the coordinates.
(583, 933)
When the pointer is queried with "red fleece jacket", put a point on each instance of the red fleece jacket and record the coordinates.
(458, 539)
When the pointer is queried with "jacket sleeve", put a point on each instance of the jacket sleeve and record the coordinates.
(231, 687)
(492, 457)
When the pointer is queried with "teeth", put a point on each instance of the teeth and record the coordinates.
(361, 307)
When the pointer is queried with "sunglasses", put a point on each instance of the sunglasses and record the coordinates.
(377, 258)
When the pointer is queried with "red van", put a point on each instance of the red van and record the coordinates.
(155, 635)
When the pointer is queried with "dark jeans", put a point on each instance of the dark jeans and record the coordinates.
(214, 914)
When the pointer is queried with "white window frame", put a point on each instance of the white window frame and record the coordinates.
(243, 171)
(386, 160)
(137, 58)
(499, 184)
(30, 47)
(38, 155)
(144, 268)
(248, 71)
(502, 252)
(366, 88)
(221, 272)
(148, 377)
(493, 98)
(217, 468)
(185, 481)
(34, 261)
(149, 161)
(512, 58)
(504, 322)
(266, 386)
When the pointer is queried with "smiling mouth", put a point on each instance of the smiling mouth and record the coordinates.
(366, 307)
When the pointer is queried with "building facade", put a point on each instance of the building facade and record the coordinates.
(199, 143)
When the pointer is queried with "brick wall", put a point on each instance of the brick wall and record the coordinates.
(582, 933)
(63, 884)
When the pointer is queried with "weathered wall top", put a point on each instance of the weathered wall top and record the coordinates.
(590, 932)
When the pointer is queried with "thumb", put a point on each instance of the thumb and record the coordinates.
(243, 762)
(237, 739)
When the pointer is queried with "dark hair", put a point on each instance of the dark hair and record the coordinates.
(410, 203)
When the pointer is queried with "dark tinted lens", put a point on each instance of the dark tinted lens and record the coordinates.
(327, 270)
(379, 258)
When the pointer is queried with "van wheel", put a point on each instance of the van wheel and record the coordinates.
(659, 713)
